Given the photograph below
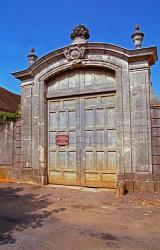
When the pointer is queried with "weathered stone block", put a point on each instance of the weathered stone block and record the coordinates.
(18, 137)
(157, 186)
(156, 141)
(156, 132)
(156, 159)
(155, 123)
(137, 186)
(156, 169)
(156, 177)
(156, 151)
(18, 151)
(18, 144)
(142, 177)
(18, 158)
(128, 176)
(18, 129)
(155, 113)
(148, 186)
(129, 186)
(144, 186)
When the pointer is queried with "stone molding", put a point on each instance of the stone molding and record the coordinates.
(147, 54)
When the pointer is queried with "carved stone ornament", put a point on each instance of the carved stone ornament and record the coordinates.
(74, 54)
(137, 37)
(80, 34)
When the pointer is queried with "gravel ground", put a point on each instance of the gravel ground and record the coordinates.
(70, 218)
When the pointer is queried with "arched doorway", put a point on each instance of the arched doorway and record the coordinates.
(82, 128)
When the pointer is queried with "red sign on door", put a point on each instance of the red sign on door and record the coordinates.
(62, 140)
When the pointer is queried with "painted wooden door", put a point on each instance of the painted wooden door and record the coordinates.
(89, 157)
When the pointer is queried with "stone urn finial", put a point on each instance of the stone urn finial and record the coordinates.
(137, 37)
(32, 56)
(80, 34)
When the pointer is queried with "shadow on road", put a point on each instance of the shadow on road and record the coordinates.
(20, 210)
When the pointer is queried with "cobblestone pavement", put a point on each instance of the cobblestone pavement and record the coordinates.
(65, 218)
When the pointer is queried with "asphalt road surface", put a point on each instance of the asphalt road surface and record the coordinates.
(62, 218)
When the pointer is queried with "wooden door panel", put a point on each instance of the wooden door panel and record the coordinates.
(98, 148)
(63, 159)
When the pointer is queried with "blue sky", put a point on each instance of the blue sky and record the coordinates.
(46, 26)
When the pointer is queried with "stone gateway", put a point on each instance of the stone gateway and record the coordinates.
(89, 117)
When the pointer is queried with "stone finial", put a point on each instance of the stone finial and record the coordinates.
(137, 37)
(32, 56)
(80, 34)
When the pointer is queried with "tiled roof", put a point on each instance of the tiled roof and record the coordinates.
(9, 101)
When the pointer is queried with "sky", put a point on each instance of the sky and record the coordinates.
(46, 25)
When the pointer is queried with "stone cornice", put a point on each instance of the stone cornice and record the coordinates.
(144, 54)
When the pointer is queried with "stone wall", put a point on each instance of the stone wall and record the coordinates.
(149, 181)
(10, 150)
(12, 168)
(155, 119)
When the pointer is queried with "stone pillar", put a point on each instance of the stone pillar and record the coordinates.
(140, 123)
(26, 132)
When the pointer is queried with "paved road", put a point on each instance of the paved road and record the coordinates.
(61, 218)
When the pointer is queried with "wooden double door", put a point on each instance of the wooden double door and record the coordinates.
(82, 141)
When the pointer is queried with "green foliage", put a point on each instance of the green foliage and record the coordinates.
(7, 116)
